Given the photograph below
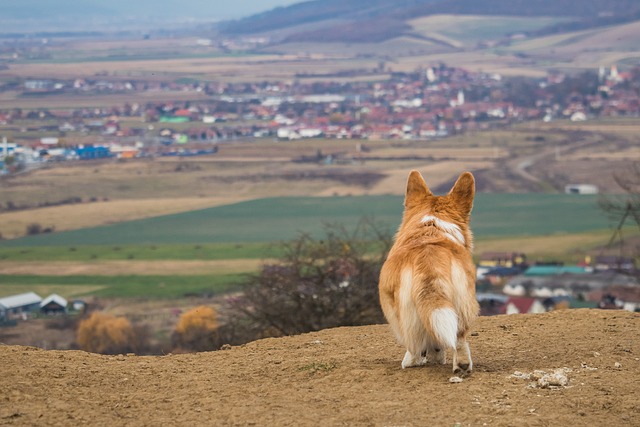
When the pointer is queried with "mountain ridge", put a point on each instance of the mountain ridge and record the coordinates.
(379, 20)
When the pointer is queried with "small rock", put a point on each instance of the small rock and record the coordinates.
(225, 347)
(618, 365)
(541, 379)
(596, 354)
(455, 380)
(474, 334)
(521, 375)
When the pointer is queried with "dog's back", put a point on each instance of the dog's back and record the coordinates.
(427, 284)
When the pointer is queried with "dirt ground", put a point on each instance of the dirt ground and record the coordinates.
(344, 376)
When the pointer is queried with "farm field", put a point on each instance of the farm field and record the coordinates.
(218, 215)
(557, 154)
(282, 218)
(67, 217)
(120, 286)
(208, 250)
(468, 30)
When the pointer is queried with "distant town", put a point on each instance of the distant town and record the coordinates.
(508, 284)
(431, 103)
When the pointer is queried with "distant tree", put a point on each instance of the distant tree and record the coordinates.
(33, 229)
(317, 283)
(629, 201)
(197, 330)
(522, 91)
(106, 334)
(574, 87)
(624, 208)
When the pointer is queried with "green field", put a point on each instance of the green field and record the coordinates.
(252, 229)
(119, 286)
(211, 251)
(277, 219)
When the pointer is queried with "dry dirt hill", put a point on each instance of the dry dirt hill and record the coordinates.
(343, 376)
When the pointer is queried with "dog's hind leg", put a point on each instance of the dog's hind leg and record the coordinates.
(462, 363)
(437, 355)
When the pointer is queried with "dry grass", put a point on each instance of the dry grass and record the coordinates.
(11, 99)
(130, 267)
(67, 292)
(436, 174)
(460, 31)
(477, 61)
(573, 246)
(245, 68)
(71, 217)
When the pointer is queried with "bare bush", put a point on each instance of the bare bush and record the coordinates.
(197, 330)
(317, 284)
(33, 229)
(106, 334)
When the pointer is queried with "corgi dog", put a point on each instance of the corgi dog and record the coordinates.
(427, 283)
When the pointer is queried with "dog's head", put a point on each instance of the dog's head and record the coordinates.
(450, 213)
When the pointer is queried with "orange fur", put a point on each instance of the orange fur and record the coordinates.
(427, 284)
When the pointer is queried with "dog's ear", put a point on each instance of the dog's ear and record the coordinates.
(417, 190)
(463, 192)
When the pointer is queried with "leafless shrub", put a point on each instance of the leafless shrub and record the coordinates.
(317, 284)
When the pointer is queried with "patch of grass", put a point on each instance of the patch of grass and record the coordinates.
(318, 367)
(218, 251)
(121, 286)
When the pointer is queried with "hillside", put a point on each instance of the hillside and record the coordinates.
(379, 20)
(344, 376)
(43, 15)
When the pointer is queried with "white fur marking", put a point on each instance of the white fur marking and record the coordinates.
(410, 360)
(451, 231)
(445, 325)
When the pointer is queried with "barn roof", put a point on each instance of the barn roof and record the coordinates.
(54, 298)
(20, 300)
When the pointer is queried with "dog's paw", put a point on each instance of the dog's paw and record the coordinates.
(410, 360)
(462, 369)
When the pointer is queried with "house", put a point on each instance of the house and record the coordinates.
(582, 286)
(498, 276)
(522, 305)
(492, 304)
(613, 262)
(581, 189)
(19, 306)
(78, 305)
(502, 259)
(53, 304)
(556, 303)
(617, 297)
(552, 270)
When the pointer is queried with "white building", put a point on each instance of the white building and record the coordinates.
(18, 306)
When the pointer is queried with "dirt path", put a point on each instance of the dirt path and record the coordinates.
(344, 376)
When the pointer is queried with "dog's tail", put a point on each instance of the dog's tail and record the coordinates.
(437, 312)
(444, 326)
